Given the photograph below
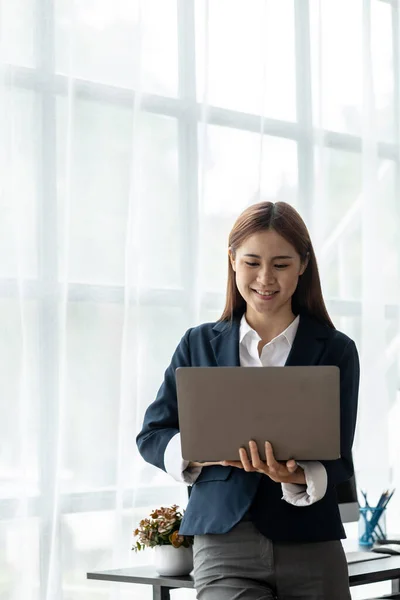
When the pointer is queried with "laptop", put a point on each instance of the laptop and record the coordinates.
(221, 409)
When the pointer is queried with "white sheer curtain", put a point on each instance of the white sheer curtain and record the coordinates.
(131, 136)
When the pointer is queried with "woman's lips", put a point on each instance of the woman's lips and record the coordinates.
(265, 296)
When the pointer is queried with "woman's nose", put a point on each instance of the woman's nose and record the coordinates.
(266, 276)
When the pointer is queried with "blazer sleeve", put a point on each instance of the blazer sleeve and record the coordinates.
(342, 469)
(161, 418)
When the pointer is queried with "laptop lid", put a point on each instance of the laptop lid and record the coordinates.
(297, 409)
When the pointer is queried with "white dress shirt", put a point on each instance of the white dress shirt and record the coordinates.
(273, 354)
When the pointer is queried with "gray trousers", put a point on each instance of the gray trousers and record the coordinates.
(244, 565)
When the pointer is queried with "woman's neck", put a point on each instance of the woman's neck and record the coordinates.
(269, 326)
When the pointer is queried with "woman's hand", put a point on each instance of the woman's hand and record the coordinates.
(279, 472)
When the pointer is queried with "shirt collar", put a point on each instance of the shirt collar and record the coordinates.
(289, 333)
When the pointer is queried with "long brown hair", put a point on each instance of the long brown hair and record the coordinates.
(286, 221)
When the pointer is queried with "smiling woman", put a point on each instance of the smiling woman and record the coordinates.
(274, 315)
(263, 281)
(272, 265)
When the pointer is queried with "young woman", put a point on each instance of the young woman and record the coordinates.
(263, 529)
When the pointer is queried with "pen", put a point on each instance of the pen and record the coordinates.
(367, 522)
(389, 497)
(379, 510)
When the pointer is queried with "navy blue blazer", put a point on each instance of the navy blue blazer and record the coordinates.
(222, 495)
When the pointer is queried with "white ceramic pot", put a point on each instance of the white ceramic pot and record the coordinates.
(173, 561)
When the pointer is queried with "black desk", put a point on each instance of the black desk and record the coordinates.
(384, 569)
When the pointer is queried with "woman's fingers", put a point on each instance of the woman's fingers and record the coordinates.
(277, 471)
(291, 466)
(245, 460)
(255, 457)
(272, 464)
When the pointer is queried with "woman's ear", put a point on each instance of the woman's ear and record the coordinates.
(232, 258)
(304, 264)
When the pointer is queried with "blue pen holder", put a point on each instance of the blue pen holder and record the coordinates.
(371, 525)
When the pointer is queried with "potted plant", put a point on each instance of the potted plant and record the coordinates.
(172, 552)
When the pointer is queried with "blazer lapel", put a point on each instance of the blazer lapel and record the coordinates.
(226, 343)
(307, 347)
(308, 344)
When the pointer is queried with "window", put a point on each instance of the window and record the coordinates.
(133, 134)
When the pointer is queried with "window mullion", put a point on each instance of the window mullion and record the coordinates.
(188, 155)
(305, 150)
(396, 107)
(48, 306)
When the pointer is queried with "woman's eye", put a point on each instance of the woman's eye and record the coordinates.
(280, 266)
(251, 264)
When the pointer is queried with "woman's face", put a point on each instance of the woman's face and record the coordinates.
(267, 271)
